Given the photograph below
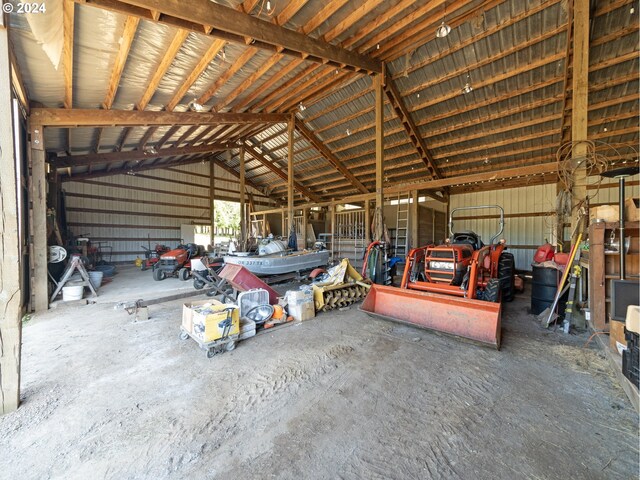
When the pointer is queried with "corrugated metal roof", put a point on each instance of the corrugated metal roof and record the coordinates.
(517, 75)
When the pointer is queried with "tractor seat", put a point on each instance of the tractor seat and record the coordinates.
(467, 237)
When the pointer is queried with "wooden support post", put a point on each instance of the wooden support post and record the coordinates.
(212, 199)
(580, 101)
(333, 230)
(38, 225)
(283, 215)
(378, 81)
(243, 209)
(290, 179)
(305, 221)
(367, 222)
(414, 221)
(10, 255)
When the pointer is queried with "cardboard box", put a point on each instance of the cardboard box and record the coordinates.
(632, 209)
(208, 325)
(187, 312)
(608, 213)
(302, 312)
(616, 336)
(300, 304)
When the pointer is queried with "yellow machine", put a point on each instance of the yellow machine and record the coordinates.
(343, 286)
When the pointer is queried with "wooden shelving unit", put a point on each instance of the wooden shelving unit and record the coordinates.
(604, 267)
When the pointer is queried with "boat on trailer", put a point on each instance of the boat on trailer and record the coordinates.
(281, 262)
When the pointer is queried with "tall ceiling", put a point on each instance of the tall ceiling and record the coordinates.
(115, 55)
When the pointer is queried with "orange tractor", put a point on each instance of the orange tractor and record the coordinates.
(454, 288)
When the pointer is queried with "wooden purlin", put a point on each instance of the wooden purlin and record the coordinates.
(252, 150)
(329, 156)
(410, 128)
(68, 15)
(232, 25)
(130, 27)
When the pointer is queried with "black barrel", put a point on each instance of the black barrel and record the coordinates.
(544, 288)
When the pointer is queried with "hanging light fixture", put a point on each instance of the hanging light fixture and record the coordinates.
(467, 86)
(194, 106)
(444, 29)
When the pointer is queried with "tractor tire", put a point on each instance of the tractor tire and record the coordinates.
(492, 292)
(183, 274)
(506, 274)
(158, 274)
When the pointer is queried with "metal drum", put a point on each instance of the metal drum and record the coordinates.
(544, 288)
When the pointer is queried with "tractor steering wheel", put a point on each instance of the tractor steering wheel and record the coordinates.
(465, 238)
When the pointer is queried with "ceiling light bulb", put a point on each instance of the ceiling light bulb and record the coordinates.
(348, 132)
(443, 30)
(302, 107)
(377, 46)
(268, 6)
(467, 88)
(632, 10)
(605, 129)
(194, 106)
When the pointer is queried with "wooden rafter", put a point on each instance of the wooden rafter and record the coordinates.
(134, 155)
(128, 34)
(58, 117)
(167, 59)
(198, 70)
(229, 24)
(68, 9)
(252, 150)
(330, 157)
(397, 103)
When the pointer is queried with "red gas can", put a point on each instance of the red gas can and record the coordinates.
(544, 253)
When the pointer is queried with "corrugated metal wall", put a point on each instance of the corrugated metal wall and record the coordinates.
(526, 225)
(126, 211)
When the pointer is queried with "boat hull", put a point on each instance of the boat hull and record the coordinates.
(277, 264)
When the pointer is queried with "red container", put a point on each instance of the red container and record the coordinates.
(561, 258)
(242, 280)
(544, 253)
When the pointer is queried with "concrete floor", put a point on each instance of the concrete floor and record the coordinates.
(340, 396)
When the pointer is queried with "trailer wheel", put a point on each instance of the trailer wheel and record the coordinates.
(183, 274)
(183, 335)
(492, 292)
(211, 352)
(230, 346)
(158, 274)
(506, 268)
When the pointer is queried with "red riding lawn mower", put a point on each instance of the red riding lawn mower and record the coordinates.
(455, 288)
(151, 257)
(176, 262)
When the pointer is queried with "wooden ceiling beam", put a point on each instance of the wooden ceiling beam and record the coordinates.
(330, 157)
(128, 34)
(68, 15)
(17, 80)
(167, 59)
(255, 153)
(127, 170)
(58, 117)
(234, 68)
(134, 155)
(216, 46)
(229, 24)
(410, 128)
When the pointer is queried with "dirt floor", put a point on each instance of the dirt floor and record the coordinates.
(341, 396)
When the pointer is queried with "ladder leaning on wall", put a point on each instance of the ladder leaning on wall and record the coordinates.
(402, 226)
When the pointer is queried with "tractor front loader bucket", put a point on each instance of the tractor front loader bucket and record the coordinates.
(473, 319)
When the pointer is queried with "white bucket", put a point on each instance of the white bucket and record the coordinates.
(96, 279)
(73, 292)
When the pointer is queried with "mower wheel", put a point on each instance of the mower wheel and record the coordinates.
(158, 274)
(492, 292)
(183, 274)
(506, 268)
